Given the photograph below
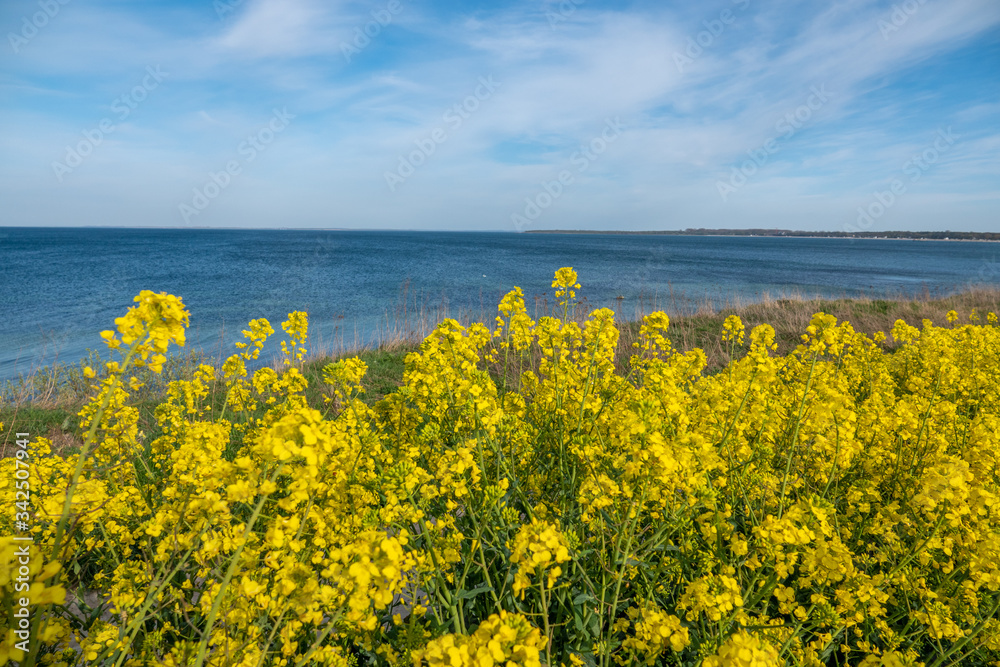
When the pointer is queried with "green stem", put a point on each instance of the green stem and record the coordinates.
(620, 576)
(88, 442)
(230, 571)
(545, 619)
(795, 438)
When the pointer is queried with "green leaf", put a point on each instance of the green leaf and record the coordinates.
(595, 625)
(466, 595)
(578, 621)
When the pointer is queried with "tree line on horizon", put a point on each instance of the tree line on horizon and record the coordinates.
(945, 235)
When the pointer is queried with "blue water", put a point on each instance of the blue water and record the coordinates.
(61, 287)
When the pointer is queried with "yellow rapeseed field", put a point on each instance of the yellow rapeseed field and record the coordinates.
(521, 501)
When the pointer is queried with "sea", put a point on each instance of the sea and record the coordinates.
(59, 287)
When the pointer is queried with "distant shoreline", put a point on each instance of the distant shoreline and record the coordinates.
(790, 234)
(764, 233)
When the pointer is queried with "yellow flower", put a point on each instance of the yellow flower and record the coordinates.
(537, 547)
(296, 326)
(565, 281)
(655, 632)
(502, 639)
(743, 649)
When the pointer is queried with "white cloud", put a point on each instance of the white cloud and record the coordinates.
(684, 129)
(283, 28)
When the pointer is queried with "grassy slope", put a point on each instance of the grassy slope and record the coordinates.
(57, 397)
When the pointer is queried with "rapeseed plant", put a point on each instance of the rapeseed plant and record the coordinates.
(838, 505)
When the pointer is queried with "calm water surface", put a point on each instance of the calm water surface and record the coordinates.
(60, 287)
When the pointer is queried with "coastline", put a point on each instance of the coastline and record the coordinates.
(990, 237)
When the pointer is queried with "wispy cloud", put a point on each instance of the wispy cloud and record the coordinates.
(284, 28)
(686, 128)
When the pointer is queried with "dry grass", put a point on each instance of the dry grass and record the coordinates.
(791, 316)
(413, 317)
(698, 324)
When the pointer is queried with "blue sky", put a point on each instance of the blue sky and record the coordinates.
(501, 116)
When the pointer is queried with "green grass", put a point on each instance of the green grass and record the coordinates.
(384, 376)
(57, 424)
(385, 371)
(37, 420)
